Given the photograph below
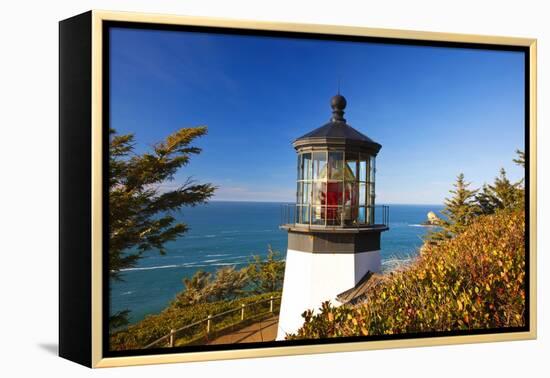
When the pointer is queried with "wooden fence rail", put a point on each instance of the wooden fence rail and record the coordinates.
(170, 338)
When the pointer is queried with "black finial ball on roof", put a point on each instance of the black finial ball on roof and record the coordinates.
(338, 102)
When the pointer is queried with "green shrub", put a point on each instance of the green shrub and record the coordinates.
(474, 281)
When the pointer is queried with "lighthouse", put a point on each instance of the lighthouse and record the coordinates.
(334, 228)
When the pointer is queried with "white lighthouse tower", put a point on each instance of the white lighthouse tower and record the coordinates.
(333, 234)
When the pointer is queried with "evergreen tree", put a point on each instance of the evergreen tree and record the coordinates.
(521, 193)
(228, 284)
(502, 194)
(266, 275)
(486, 200)
(140, 210)
(507, 194)
(197, 288)
(520, 160)
(460, 211)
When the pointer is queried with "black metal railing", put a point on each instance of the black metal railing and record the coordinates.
(335, 216)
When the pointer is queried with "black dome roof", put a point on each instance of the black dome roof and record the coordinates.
(337, 131)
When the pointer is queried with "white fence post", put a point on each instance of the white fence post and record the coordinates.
(208, 324)
(271, 304)
(242, 311)
(172, 337)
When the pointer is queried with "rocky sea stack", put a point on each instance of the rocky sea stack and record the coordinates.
(433, 220)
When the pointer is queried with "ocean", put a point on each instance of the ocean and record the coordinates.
(229, 233)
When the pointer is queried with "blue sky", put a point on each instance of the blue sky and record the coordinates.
(436, 111)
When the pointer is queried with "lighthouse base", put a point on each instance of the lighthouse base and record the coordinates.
(313, 278)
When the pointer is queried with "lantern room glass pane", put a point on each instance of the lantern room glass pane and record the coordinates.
(304, 166)
(306, 193)
(334, 215)
(371, 195)
(318, 215)
(334, 194)
(369, 216)
(349, 215)
(363, 168)
(362, 194)
(351, 194)
(319, 193)
(307, 166)
(351, 201)
(336, 165)
(372, 168)
(319, 165)
(351, 166)
(361, 217)
(303, 214)
(299, 167)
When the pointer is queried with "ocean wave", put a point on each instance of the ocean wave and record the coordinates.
(211, 260)
(398, 224)
(217, 254)
(396, 261)
(127, 293)
(393, 263)
(229, 263)
(200, 236)
(186, 265)
(230, 232)
(149, 268)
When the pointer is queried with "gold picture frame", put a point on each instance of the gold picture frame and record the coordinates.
(91, 27)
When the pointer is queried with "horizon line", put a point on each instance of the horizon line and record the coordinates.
(286, 202)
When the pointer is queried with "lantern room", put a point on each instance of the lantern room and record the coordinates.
(336, 174)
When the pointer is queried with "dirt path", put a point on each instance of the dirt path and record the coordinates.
(266, 330)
